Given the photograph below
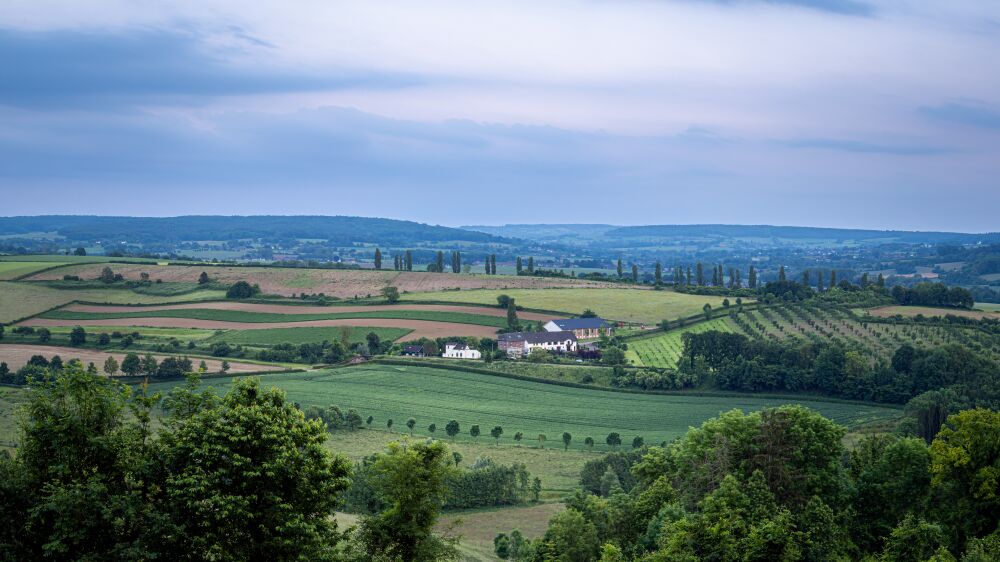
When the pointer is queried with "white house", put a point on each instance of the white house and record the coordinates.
(454, 350)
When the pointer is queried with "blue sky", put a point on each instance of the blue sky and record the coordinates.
(880, 114)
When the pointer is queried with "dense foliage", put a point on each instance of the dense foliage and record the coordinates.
(778, 485)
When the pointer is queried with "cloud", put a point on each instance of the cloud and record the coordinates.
(974, 115)
(66, 68)
(864, 147)
(845, 7)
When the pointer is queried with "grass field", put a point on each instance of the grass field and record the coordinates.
(18, 300)
(269, 317)
(14, 269)
(437, 395)
(928, 311)
(630, 305)
(988, 306)
(303, 335)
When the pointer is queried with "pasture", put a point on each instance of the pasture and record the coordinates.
(19, 300)
(267, 337)
(622, 304)
(436, 396)
(929, 311)
(14, 269)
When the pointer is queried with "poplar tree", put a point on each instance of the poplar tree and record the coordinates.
(619, 268)
(819, 280)
(781, 274)
(440, 261)
(715, 277)
(699, 276)
(658, 273)
(531, 264)
(409, 260)
(635, 273)
(689, 276)
(378, 258)
(732, 278)
(752, 278)
(833, 278)
(805, 278)
(487, 267)
(493, 264)
(518, 265)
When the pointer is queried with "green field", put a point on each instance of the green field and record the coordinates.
(988, 306)
(269, 317)
(664, 350)
(303, 335)
(629, 305)
(14, 269)
(19, 300)
(438, 395)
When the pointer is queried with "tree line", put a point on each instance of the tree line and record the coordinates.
(780, 485)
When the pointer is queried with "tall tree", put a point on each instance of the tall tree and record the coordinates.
(110, 366)
(495, 433)
(487, 265)
(620, 268)
(635, 273)
(688, 276)
(493, 264)
(658, 273)
(752, 278)
(566, 439)
(805, 277)
(517, 265)
(409, 260)
(378, 258)
(781, 274)
(512, 322)
(440, 261)
(699, 275)
(819, 280)
(833, 278)
(531, 264)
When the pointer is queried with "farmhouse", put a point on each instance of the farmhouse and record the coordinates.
(520, 344)
(456, 350)
(413, 351)
(583, 328)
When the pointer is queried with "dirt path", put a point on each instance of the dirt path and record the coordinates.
(17, 355)
(292, 309)
(421, 328)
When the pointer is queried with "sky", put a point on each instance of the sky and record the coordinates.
(844, 113)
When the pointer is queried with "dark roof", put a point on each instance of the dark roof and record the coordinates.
(413, 349)
(581, 323)
(455, 345)
(538, 337)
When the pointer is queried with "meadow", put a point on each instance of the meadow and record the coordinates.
(14, 269)
(267, 337)
(436, 396)
(19, 300)
(929, 311)
(622, 304)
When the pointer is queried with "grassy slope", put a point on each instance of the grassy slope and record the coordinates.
(13, 269)
(631, 305)
(265, 317)
(304, 335)
(435, 395)
(18, 300)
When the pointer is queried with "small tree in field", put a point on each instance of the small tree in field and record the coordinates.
(390, 294)
(203, 278)
(411, 423)
(638, 442)
(432, 428)
(457, 457)
(388, 424)
(518, 437)
(78, 336)
(566, 438)
(452, 429)
(474, 431)
(589, 442)
(110, 366)
(496, 432)
(131, 365)
(613, 440)
(541, 440)
(369, 421)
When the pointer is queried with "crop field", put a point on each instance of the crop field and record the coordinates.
(267, 337)
(877, 339)
(14, 269)
(665, 350)
(628, 305)
(988, 306)
(16, 355)
(436, 396)
(18, 300)
(341, 283)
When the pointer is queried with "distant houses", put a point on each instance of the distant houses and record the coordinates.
(455, 350)
(582, 328)
(414, 351)
(520, 344)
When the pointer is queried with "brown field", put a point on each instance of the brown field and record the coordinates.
(886, 311)
(421, 328)
(331, 282)
(16, 356)
(286, 309)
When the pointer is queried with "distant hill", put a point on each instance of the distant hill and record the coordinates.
(609, 234)
(339, 230)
